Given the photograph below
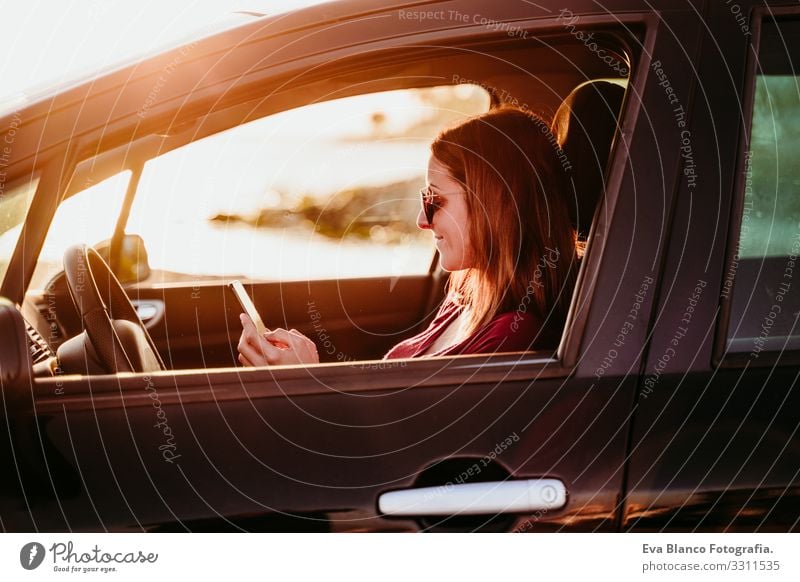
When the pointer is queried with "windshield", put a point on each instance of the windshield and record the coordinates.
(14, 205)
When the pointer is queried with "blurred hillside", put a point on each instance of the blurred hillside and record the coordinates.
(382, 214)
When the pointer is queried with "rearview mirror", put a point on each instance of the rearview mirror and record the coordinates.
(129, 263)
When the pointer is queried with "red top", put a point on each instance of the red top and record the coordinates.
(514, 331)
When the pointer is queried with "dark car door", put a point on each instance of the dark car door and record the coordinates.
(320, 448)
(715, 445)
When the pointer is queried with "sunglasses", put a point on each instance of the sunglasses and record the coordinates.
(430, 203)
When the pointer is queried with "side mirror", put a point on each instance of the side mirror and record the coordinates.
(129, 263)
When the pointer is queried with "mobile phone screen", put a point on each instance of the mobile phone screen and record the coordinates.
(247, 305)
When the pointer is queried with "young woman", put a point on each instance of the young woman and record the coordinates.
(497, 206)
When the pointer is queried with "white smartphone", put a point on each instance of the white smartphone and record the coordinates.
(247, 305)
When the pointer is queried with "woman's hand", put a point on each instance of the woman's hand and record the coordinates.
(274, 348)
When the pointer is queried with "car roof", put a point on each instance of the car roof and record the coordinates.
(235, 25)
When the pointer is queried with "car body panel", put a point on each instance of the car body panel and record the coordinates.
(713, 449)
(246, 448)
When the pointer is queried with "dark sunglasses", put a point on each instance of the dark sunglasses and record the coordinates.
(430, 204)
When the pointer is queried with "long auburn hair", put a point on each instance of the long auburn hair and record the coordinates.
(523, 245)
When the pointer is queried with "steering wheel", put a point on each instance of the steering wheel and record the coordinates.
(117, 335)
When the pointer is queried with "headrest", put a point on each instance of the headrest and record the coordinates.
(584, 125)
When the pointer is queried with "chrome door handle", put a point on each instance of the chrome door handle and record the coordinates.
(491, 497)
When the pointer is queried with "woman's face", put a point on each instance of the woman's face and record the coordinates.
(450, 224)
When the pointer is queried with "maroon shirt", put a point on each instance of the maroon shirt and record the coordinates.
(514, 331)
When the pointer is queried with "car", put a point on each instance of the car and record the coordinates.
(287, 151)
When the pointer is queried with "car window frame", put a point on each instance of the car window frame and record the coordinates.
(721, 356)
(54, 175)
(479, 368)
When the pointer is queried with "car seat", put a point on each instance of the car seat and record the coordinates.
(584, 125)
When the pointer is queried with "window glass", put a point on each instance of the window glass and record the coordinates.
(772, 180)
(88, 217)
(329, 190)
(14, 205)
(765, 275)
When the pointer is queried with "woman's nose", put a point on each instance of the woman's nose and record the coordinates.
(422, 220)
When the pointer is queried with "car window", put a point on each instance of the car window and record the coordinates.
(88, 217)
(15, 202)
(329, 190)
(764, 278)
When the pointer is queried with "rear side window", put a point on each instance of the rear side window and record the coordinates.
(763, 282)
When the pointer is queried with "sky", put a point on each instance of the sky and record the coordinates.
(49, 42)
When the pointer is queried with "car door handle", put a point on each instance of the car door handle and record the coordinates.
(150, 311)
(491, 497)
